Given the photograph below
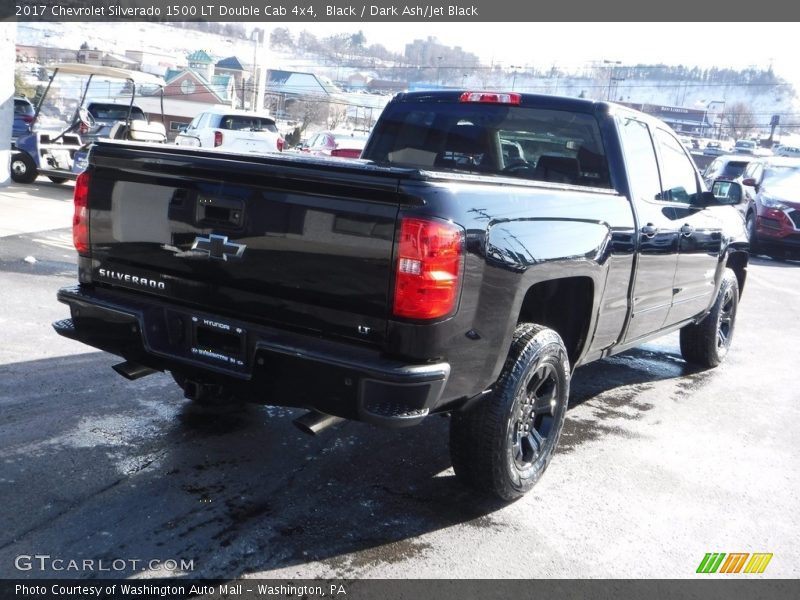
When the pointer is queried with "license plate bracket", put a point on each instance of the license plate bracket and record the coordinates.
(218, 341)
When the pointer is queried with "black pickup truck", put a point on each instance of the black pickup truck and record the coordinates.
(485, 246)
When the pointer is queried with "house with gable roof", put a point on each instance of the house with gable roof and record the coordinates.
(199, 82)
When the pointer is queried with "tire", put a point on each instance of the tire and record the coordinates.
(23, 169)
(751, 232)
(707, 343)
(502, 445)
(57, 180)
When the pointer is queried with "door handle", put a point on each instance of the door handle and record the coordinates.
(649, 230)
(687, 230)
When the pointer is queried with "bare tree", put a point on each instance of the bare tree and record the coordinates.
(281, 38)
(308, 111)
(739, 120)
(337, 114)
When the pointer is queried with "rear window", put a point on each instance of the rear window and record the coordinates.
(22, 107)
(733, 169)
(532, 143)
(115, 112)
(247, 123)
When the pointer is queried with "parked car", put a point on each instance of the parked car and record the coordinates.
(232, 130)
(98, 119)
(714, 148)
(23, 118)
(728, 167)
(744, 147)
(771, 188)
(328, 143)
(787, 150)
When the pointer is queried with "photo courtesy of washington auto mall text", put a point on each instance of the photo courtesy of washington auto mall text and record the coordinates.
(324, 299)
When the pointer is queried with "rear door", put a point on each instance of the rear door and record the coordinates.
(657, 233)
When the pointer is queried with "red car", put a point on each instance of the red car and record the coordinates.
(772, 190)
(343, 145)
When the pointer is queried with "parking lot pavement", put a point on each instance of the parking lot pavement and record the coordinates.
(659, 463)
(39, 206)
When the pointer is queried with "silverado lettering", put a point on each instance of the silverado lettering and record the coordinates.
(132, 279)
(487, 245)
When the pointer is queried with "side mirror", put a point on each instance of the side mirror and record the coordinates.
(726, 192)
(750, 182)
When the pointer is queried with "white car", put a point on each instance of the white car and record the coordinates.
(233, 131)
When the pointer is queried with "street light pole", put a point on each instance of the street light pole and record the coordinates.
(254, 35)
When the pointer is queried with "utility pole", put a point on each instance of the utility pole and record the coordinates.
(611, 78)
(514, 78)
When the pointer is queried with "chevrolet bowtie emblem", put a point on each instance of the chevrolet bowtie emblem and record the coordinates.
(218, 246)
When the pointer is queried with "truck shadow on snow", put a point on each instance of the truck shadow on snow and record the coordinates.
(107, 469)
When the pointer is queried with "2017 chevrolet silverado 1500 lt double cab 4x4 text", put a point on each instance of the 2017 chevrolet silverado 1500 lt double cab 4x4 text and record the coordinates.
(485, 246)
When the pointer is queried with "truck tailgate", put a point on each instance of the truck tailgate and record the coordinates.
(304, 243)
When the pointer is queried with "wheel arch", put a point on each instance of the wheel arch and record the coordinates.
(564, 305)
(737, 262)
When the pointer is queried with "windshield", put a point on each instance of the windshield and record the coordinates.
(533, 143)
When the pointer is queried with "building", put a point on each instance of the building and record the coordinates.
(688, 121)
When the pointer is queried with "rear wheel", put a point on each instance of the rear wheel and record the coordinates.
(23, 169)
(707, 343)
(503, 444)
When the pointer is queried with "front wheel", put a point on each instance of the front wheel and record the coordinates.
(23, 169)
(750, 224)
(503, 444)
(707, 343)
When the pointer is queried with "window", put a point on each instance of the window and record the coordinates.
(247, 123)
(195, 122)
(678, 176)
(640, 158)
(562, 146)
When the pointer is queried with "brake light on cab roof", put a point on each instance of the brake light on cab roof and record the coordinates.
(491, 97)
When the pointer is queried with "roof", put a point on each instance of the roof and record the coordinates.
(231, 63)
(237, 112)
(138, 77)
(297, 82)
(200, 56)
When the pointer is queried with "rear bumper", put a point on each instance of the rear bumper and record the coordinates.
(255, 362)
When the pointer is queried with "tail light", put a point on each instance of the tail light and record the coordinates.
(80, 219)
(281, 143)
(217, 138)
(491, 97)
(427, 279)
(28, 119)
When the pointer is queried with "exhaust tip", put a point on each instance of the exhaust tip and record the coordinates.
(314, 422)
(131, 370)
